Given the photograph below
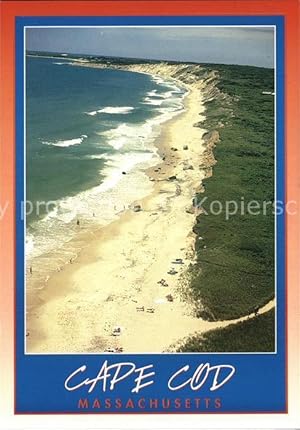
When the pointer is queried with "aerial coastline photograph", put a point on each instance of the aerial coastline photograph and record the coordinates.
(150, 190)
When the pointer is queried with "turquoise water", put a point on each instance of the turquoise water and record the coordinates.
(85, 127)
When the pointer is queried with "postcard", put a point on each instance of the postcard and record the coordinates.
(149, 214)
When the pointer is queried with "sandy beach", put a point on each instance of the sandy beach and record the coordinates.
(110, 297)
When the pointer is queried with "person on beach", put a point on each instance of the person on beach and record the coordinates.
(78, 222)
(30, 270)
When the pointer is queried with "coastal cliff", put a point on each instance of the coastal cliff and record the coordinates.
(219, 147)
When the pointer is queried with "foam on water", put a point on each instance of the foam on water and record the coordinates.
(141, 136)
(132, 152)
(97, 206)
(112, 110)
(130, 136)
(116, 109)
(153, 93)
(151, 101)
(66, 143)
(29, 245)
(96, 157)
(92, 113)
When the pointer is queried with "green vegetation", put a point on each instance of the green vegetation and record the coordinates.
(235, 269)
(256, 334)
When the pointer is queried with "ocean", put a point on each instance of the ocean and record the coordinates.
(90, 135)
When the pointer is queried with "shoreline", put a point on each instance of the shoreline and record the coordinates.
(55, 257)
(117, 272)
(43, 336)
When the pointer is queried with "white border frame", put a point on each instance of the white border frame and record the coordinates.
(275, 181)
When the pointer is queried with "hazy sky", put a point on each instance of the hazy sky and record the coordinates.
(229, 45)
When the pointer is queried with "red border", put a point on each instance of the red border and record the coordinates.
(11, 9)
